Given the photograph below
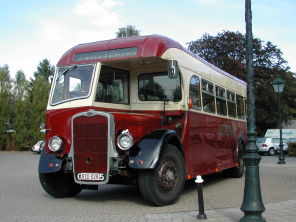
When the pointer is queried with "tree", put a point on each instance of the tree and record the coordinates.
(227, 51)
(38, 93)
(22, 106)
(44, 69)
(5, 87)
(127, 31)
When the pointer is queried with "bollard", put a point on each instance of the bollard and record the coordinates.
(201, 214)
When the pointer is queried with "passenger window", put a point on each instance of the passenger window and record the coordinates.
(221, 101)
(194, 92)
(240, 107)
(208, 98)
(231, 104)
(159, 87)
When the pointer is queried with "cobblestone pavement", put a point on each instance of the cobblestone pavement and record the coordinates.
(23, 199)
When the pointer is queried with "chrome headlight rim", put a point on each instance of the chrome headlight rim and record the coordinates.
(125, 140)
(55, 144)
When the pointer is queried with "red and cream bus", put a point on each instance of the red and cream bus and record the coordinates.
(143, 110)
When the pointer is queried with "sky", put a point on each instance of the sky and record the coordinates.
(33, 30)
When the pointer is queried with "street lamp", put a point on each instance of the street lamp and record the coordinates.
(252, 204)
(278, 85)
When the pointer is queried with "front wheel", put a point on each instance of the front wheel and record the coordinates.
(59, 184)
(164, 184)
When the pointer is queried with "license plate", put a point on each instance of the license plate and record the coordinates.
(91, 176)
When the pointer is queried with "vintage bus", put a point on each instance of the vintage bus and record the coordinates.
(143, 110)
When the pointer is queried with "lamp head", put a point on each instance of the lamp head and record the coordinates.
(278, 84)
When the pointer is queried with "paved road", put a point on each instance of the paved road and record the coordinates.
(23, 199)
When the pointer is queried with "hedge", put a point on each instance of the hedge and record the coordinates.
(292, 149)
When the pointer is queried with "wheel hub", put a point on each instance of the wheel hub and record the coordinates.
(167, 176)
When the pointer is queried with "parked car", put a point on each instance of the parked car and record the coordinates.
(38, 146)
(270, 145)
(285, 145)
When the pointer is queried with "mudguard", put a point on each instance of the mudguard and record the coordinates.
(48, 163)
(145, 154)
(242, 140)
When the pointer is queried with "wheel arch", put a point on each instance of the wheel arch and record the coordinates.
(242, 141)
(147, 151)
(49, 163)
(175, 140)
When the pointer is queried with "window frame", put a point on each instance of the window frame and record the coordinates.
(55, 82)
(198, 93)
(208, 94)
(128, 85)
(233, 102)
(243, 116)
(165, 74)
(220, 99)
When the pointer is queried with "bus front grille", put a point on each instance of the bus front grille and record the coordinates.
(90, 148)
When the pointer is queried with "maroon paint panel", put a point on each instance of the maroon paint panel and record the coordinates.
(58, 123)
(139, 124)
(148, 46)
(209, 142)
(212, 143)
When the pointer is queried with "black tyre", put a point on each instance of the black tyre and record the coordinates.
(271, 151)
(59, 184)
(164, 184)
(238, 171)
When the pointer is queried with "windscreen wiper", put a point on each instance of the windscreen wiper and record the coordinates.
(71, 68)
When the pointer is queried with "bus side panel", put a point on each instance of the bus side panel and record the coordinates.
(201, 147)
(212, 143)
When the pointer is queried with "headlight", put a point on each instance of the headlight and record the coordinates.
(125, 140)
(55, 143)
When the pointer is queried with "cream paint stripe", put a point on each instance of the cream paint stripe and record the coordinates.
(216, 115)
(192, 64)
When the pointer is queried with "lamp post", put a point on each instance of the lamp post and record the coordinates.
(252, 204)
(278, 85)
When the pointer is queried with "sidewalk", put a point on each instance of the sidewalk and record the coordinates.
(274, 212)
(24, 200)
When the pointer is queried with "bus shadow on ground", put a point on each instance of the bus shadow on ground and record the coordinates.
(131, 193)
(110, 193)
(209, 180)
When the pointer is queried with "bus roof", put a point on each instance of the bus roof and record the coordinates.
(131, 47)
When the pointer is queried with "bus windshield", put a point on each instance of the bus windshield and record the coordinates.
(72, 83)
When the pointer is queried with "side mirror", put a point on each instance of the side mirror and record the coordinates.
(173, 69)
(50, 79)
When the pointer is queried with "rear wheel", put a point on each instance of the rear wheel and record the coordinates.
(59, 184)
(271, 151)
(238, 171)
(164, 184)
